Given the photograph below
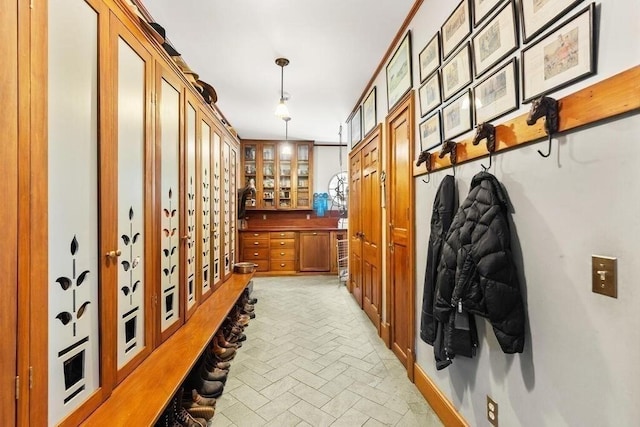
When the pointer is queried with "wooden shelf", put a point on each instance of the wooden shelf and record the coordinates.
(141, 398)
(608, 98)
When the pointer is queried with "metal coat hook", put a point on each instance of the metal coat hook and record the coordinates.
(488, 131)
(547, 107)
(425, 157)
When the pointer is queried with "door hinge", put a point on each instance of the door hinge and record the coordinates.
(30, 377)
(17, 387)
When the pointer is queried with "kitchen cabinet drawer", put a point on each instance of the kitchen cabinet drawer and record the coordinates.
(254, 235)
(281, 265)
(283, 254)
(283, 243)
(255, 243)
(283, 235)
(263, 264)
(251, 254)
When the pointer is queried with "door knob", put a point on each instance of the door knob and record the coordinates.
(113, 254)
(186, 237)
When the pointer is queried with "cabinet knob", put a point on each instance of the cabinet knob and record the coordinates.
(282, 265)
(281, 234)
(113, 254)
(256, 243)
(281, 243)
(256, 234)
(186, 237)
(281, 253)
(315, 234)
(255, 254)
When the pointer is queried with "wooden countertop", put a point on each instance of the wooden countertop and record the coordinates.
(141, 398)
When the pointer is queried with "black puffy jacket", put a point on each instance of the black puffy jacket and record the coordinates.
(444, 208)
(476, 274)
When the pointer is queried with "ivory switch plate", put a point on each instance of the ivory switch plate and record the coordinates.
(604, 275)
(492, 412)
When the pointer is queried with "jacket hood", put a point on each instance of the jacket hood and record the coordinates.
(490, 180)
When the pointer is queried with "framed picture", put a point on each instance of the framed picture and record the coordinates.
(496, 40)
(356, 127)
(430, 94)
(456, 73)
(429, 58)
(456, 117)
(497, 95)
(456, 28)
(430, 132)
(482, 9)
(399, 79)
(560, 58)
(538, 15)
(369, 113)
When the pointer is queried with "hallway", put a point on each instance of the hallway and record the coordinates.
(312, 357)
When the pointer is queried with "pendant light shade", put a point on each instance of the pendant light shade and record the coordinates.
(282, 110)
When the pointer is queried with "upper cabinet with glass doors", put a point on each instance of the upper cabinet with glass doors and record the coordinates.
(282, 173)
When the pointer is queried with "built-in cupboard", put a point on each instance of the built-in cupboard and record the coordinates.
(121, 182)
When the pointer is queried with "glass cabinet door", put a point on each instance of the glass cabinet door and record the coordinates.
(284, 176)
(268, 176)
(250, 153)
(303, 199)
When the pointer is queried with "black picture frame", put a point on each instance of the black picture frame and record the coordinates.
(430, 94)
(429, 138)
(562, 57)
(538, 15)
(457, 116)
(429, 57)
(496, 40)
(369, 112)
(355, 125)
(399, 76)
(456, 72)
(481, 12)
(456, 28)
(497, 94)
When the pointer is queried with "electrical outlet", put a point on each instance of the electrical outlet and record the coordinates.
(603, 275)
(492, 412)
(264, 216)
(308, 216)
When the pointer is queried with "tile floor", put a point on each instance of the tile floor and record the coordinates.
(313, 358)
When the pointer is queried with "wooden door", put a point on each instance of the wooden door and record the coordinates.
(9, 210)
(190, 193)
(203, 235)
(400, 262)
(371, 229)
(355, 226)
(216, 208)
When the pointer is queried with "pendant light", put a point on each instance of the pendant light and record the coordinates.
(282, 110)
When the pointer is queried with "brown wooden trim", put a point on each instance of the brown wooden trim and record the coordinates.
(165, 369)
(193, 103)
(445, 410)
(388, 53)
(385, 333)
(608, 98)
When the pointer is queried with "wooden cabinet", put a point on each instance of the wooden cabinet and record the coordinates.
(255, 248)
(283, 251)
(282, 172)
(315, 251)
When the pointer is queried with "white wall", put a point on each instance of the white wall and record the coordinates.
(326, 163)
(580, 363)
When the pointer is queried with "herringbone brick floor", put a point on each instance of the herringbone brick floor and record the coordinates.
(313, 358)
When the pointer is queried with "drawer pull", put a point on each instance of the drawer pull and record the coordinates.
(256, 234)
(255, 254)
(281, 234)
(315, 234)
(282, 265)
(281, 243)
(256, 243)
(281, 253)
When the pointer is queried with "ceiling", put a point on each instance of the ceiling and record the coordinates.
(334, 46)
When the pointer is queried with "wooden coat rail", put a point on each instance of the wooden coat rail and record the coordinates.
(616, 95)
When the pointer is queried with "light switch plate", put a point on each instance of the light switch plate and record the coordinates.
(604, 272)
